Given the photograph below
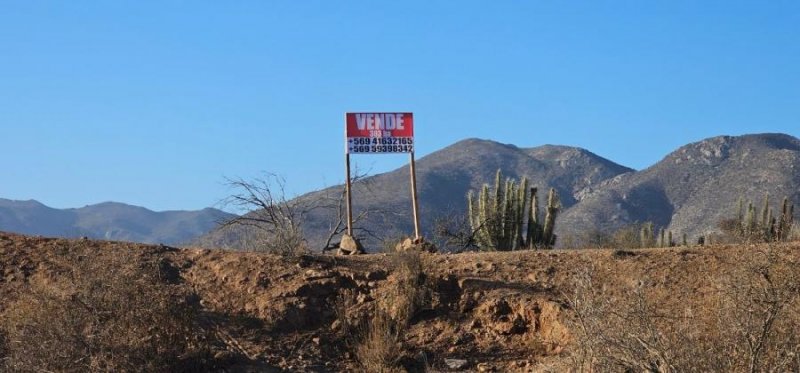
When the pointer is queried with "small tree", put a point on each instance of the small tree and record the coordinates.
(273, 218)
(272, 222)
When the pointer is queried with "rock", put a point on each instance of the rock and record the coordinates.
(475, 324)
(313, 274)
(316, 289)
(498, 307)
(376, 275)
(499, 317)
(418, 244)
(485, 367)
(350, 246)
(456, 364)
(364, 298)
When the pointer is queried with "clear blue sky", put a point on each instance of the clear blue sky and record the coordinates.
(154, 102)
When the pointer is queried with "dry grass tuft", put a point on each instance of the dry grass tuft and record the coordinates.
(381, 346)
(380, 349)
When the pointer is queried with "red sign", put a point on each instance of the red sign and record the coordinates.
(380, 132)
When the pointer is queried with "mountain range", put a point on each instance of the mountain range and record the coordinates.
(688, 192)
(109, 221)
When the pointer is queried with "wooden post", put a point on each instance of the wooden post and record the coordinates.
(414, 197)
(349, 195)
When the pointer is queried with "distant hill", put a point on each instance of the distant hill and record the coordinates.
(108, 220)
(687, 192)
(444, 178)
(694, 187)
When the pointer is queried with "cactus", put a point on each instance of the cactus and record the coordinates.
(765, 212)
(749, 225)
(534, 229)
(496, 219)
(646, 235)
(766, 226)
(784, 226)
(500, 217)
(553, 206)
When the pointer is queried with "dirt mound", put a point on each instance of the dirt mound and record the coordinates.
(478, 311)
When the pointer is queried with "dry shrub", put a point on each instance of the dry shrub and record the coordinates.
(759, 314)
(750, 325)
(794, 234)
(3, 348)
(380, 349)
(105, 317)
(288, 244)
(626, 237)
(408, 293)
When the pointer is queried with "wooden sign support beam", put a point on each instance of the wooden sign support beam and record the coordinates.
(347, 187)
(414, 200)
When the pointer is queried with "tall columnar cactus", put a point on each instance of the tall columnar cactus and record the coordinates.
(785, 221)
(519, 212)
(500, 217)
(646, 235)
(765, 212)
(553, 206)
(534, 229)
(766, 226)
(496, 218)
(750, 222)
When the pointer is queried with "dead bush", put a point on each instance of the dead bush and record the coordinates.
(408, 293)
(271, 221)
(380, 348)
(748, 323)
(100, 317)
(759, 314)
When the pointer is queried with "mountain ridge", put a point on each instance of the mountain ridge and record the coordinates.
(688, 191)
(444, 178)
(108, 220)
(695, 186)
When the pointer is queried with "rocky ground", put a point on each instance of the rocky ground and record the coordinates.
(479, 311)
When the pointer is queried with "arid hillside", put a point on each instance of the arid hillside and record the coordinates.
(78, 305)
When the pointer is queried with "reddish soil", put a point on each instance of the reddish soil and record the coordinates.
(498, 311)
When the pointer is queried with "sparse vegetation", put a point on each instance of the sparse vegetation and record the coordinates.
(101, 317)
(733, 308)
(751, 226)
(271, 220)
(380, 349)
(632, 236)
(751, 326)
(498, 218)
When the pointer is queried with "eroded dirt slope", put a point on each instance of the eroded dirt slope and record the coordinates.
(497, 311)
